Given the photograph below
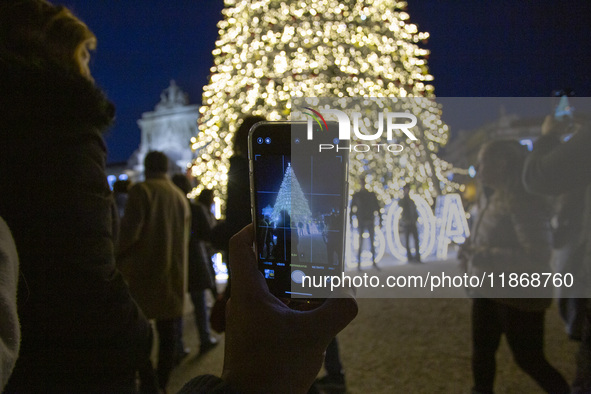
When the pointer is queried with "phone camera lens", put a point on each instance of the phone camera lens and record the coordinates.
(267, 140)
(260, 140)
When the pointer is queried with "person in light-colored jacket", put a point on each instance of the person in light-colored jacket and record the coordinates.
(153, 252)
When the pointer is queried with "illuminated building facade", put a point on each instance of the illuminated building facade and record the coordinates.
(169, 129)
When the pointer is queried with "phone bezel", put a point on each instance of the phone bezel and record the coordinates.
(282, 138)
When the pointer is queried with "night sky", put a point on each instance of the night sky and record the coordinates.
(513, 48)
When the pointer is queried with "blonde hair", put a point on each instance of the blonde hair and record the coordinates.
(37, 32)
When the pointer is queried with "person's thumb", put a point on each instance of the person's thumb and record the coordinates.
(246, 278)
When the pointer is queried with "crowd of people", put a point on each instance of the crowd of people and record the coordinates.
(92, 269)
(88, 283)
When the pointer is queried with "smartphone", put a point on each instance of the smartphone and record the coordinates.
(563, 111)
(299, 192)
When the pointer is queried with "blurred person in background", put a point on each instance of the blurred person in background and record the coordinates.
(511, 235)
(238, 212)
(201, 275)
(408, 221)
(365, 207)
(152, 254)
(554, 168)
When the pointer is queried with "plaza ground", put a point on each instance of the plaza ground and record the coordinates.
(405, 345)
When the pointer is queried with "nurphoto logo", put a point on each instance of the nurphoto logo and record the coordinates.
(396, 125)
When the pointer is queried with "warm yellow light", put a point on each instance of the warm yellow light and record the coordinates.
(268, 51)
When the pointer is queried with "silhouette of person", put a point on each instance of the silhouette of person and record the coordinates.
(365, 207)
(201, 275)
(408, 220)
(286, 238)
(238, 212)
(120, 190)
(267, 239)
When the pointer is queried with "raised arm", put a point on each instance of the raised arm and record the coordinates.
(554, 168)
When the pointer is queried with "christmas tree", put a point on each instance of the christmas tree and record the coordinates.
(291, 199)
(271, 50)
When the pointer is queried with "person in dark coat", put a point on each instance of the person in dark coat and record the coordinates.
(207, 222)
(81, 330)
(238, 200)
(365, 206)
(200, 273)
(511, 236)
(555, 168)
(237, 207)
(567, 255)
(408, 220)
(120, 192)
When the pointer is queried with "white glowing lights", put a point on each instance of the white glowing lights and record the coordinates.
(426, 225)
(453, 226)
(436, 231)
(269, 51)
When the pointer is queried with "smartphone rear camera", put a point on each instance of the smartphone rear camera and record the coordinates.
(260, 140)
(267, 140)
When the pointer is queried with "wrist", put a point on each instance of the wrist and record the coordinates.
(255, 380)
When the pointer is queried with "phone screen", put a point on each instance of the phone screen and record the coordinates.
(299, 199)
(563, 111)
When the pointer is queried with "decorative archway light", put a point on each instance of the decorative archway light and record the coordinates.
(453, 226)
(426, 226)
(436, 231)
(352, 246)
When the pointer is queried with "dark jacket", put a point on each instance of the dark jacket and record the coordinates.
(238, 212)
(366, 204)
(201, 275)
(238, 204)
(554, 168)
(76, 313)
(409, 215)
(512, 238)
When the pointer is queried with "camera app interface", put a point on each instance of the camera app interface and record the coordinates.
(300, 210)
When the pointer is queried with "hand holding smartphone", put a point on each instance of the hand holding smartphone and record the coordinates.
(299, 198)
